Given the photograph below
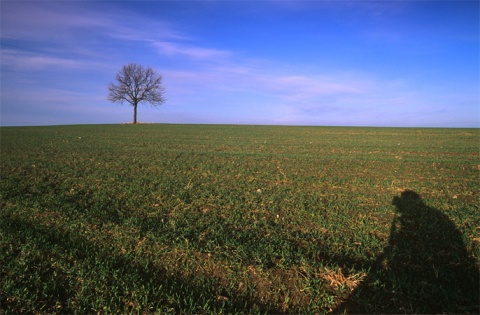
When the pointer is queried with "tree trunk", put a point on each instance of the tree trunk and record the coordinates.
(134, 114)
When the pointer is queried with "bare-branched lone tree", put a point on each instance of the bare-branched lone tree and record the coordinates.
(136, 84)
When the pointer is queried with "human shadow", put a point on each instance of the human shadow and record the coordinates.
(426, 267)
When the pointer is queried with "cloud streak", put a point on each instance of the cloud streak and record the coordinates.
(35, 62)
(190, 51)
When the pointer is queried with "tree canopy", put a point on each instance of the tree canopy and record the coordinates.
(135, 84)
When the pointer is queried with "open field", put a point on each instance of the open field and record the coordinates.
(239, 219)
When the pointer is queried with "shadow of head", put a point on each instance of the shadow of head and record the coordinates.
(407, 200)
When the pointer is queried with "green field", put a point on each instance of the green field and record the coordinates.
(239, 219)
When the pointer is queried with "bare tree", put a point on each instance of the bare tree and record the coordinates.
(137, 84)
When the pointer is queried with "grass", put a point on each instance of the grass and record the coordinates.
(238, 219)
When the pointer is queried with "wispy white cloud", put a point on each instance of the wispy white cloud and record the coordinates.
(300, 88)
(42, 34)
(270, 93)
(45, 21)
(190, 51)
(32, 62)
(46, 106)
(281, 86)
(51, 95)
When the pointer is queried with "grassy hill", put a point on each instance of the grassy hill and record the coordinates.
(238, 219)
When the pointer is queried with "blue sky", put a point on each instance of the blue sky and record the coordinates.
(330, 63)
